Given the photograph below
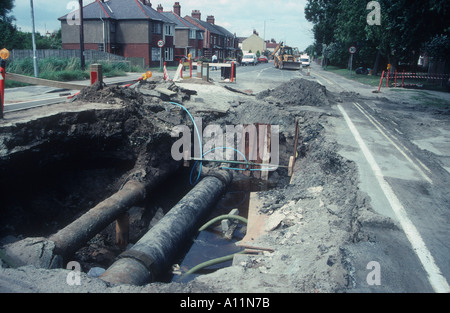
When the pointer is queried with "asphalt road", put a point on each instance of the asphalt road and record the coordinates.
(402, 151)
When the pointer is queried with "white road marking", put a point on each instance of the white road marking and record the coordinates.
(435, 277)
(260, 72)
(378, 126)
(326, 79)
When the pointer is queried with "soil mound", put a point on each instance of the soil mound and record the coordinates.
(297, 92)
(104, 94)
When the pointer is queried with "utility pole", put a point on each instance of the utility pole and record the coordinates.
(83, 65)
(35, 65)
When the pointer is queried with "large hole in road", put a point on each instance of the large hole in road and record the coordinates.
(56, 167)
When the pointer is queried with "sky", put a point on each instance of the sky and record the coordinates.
(283, 20)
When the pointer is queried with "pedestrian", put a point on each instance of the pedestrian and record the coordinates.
(214, 60)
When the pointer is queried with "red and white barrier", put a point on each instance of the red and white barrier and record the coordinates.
(166, 75)
(404, 76)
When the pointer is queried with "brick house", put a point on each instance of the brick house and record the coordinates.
(188, 37)
(130, 28)
(217, 40)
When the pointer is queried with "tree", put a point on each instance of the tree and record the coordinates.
(438, 48)
(5, 9)
(405, 26)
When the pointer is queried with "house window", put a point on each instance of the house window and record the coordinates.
(101, 47)
(200, 35)
(192, 34)
(156, 28)
(168, 54)
(168, 30)
(156, 54)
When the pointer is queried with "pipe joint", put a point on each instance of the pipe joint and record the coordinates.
(142, 258)
(224, 176)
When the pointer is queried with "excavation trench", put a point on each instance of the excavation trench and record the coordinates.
(68, 176)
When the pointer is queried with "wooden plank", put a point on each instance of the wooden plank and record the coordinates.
(43, 82)
(256, 226)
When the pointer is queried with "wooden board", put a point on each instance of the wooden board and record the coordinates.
(256, 226)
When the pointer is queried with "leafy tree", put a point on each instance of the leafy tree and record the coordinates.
(405, 26)
(5, 9)
(438, 48)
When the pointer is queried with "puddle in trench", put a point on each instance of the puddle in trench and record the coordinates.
(211, 243)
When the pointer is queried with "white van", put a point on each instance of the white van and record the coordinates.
(305, 60)
(249, 58)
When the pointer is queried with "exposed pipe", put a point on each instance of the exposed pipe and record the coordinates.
(54, 251)
(158, 248)
(72, 237)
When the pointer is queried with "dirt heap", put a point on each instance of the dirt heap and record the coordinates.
(109, 94)
(297, 92)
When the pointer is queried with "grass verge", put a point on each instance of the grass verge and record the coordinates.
(65, 69)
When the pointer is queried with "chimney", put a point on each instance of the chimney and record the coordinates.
(177, 8)
(210, 19)
(159, 8)
(196, 14)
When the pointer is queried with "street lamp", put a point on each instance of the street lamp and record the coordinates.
(35, 65)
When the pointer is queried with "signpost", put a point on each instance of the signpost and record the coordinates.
(352, 51)
(4, 55)
(161, 44)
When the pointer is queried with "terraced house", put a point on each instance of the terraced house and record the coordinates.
(188, 37)
(130, 28)
(217, 39)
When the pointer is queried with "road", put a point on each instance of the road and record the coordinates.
(403, 154)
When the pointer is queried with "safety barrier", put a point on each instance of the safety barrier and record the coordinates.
(228, 70)
(403, 75)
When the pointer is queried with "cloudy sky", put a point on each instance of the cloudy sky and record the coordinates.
(283, 20)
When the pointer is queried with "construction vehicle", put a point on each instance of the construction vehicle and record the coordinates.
(284, 58)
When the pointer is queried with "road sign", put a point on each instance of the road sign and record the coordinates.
(352, 49)
(161, 43)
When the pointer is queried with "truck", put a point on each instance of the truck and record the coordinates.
(284, 58)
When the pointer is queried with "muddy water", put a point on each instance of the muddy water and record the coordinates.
(211, 243)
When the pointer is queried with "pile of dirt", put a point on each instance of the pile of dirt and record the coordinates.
(101, 93)
(297, 92)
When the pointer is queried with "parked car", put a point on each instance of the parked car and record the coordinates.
(263, 59)
(362, 71)
(183, 58)
(249, 58)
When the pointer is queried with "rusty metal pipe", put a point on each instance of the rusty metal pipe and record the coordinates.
(152, 255)
(72, 237)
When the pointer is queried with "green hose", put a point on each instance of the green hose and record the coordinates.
(221, 259)
(223, 217)
(212, 262)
